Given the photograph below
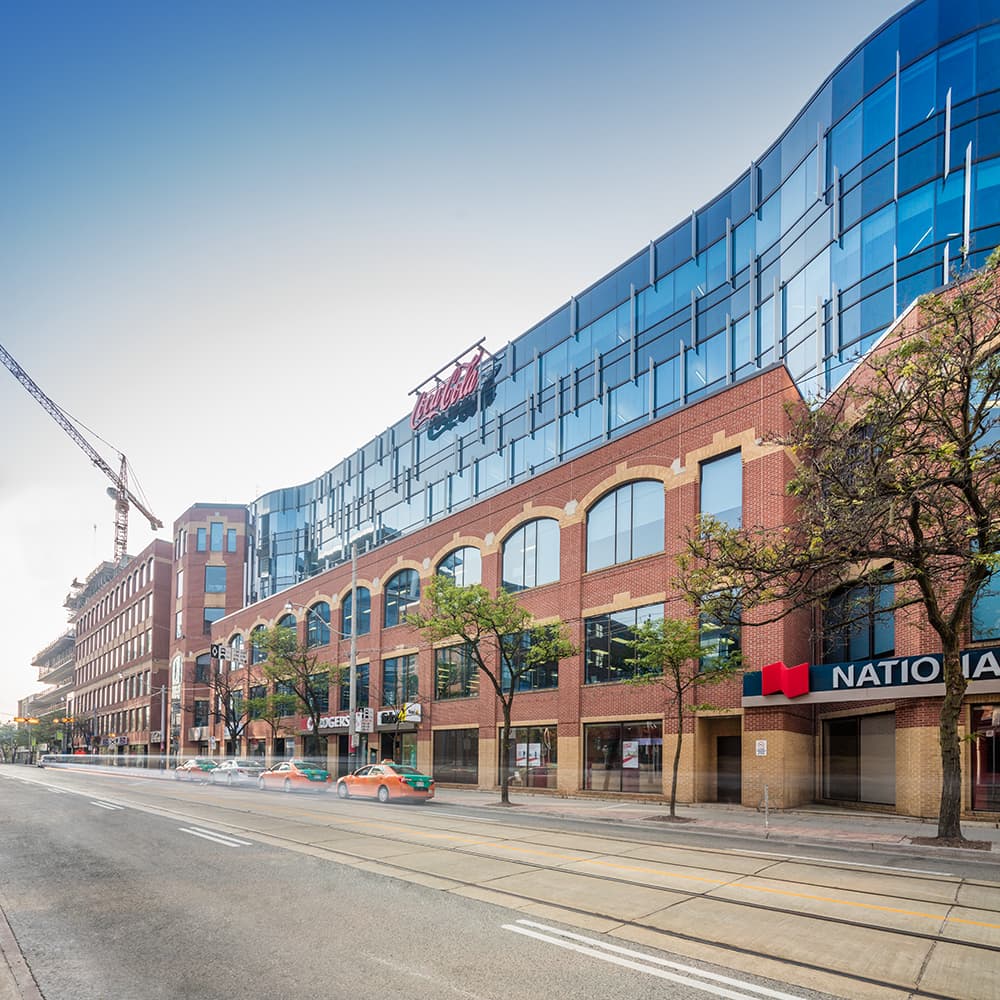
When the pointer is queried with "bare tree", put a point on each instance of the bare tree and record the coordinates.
(897, 481)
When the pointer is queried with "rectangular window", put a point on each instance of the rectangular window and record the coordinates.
(624, 757)
(535, 678)
(257, 695)
(456, 756)
(201, 713)
(399, 680)
(986, 611)
(856, 624)
(361, 687)
(180, 583)
(230, 539)
(720, 635)
(215, 579)
(608, 643)
(179, 625)
(533, 756)
(211, 615)
(722, 489)
(202, 540)
(286, 692)
(455, 673)
(216, 536)
(319, 686)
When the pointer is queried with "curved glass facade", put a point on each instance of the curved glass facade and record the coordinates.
(884, 183)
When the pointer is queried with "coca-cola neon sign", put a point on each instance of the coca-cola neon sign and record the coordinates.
(461, 386)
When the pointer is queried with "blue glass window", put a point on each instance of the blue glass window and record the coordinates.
(364, 612)
(463, 567)
(215, 579)
(257, 654)
(211, 615)
(361, 676)
(455, 673)
(536, 678)
(216, 536)
(401, 593)
(399, 679)
(918, 93)
(986, 611)
(202, 540)
(722, 489)
(720, 638)
(318, 624)
(230, 539)
(531, 555)
(608, 643)
(626, 524)
(856, 624)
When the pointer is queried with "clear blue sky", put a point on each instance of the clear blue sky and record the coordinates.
(235, 235)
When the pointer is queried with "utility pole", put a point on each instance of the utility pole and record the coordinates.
(352, 724)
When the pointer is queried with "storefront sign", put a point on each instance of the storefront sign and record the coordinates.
(455, 397)
(892, 677)
(332, 722)
(761, 748)
(408, 712)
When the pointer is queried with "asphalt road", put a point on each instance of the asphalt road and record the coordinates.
(109, 900)
(107, 876)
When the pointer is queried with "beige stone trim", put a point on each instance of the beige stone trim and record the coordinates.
(529, 512)
(748, 442)
(400, 564)
(623, 474)
(624, 602)
(644, 717)
(362, 582)
(457, 541)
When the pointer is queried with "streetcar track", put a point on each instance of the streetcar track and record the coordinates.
(335, 823)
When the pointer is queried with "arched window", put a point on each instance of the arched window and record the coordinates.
(288, 621)
(400, 594)
(463, 566)
(626, 524)
(318, 624)
(364, 612)
(531, 555)
(257, 655)
(236, 645)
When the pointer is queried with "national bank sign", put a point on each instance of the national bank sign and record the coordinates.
(868, 680)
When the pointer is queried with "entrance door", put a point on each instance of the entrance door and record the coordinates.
(729, 769)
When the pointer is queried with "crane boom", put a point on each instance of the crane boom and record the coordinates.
(123, 495)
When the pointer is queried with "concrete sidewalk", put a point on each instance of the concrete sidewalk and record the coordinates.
(813, 824)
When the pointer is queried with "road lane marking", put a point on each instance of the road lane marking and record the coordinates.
(853, 864)
(106, 805)
(649, 964)
(214, 835)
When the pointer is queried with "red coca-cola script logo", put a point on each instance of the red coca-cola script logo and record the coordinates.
(461, 384)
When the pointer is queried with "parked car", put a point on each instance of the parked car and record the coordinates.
(47, 759)
(386, 781)
(195, 769)
(289, 775)
(236, 771)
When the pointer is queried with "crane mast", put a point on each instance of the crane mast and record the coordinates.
(123, 496)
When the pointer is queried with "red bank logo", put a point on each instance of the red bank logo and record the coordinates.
(792, 682)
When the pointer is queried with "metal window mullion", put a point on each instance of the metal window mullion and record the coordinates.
(820, 162)
(895, 281)
(606, 413)
(573, 316)
(777, 319)
(652, 262)
(730, 360)
(694, 319)
(947, 263)
(683, 373)
(836, 205)
(754, 207)
(835, 345)
(947, 134)
(820, 344)
(631, 333)
(967, 220)
(729, 250)
(694, 234)
(895, 144)
(652, 389)
(597, 374)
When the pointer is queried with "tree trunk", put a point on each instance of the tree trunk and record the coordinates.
(505, 755)
(677, 754)
(950, 812)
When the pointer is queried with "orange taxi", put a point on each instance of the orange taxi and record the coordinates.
(295, 775)
(386, 781)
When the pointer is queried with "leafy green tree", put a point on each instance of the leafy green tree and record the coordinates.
(492, 629)
(273, 710)
(669, 652)
(293, 665)
(8, 740)
(897, 481)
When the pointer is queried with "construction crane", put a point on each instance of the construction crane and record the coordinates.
(120, 492)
